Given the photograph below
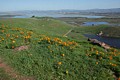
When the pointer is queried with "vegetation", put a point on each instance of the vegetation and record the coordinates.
(108, 30)
(4, 76)
(40, 26)
(80, 20)
(111, 32)
(50, 55)
(33, 16)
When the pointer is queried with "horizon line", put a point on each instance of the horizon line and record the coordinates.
(57, 9)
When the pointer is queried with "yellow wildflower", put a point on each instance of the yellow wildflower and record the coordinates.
(21, 33)
(16, 36)
(100, 57)
(13, 41)
(114, 65)
(7, 35)
(11, 38)
(62, 55)
(13, 47)
(3, 31)
(59, 63)
(97, 52)
(110, 57)
(66, 71)
(3, 39)
(96, 62)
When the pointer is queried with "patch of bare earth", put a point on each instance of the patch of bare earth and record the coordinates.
(21, 48)
(10, 71)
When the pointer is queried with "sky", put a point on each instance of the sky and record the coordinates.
(16, 5)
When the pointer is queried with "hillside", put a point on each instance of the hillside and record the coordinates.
(36, 49)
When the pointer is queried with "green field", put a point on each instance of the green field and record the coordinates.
(52, 56)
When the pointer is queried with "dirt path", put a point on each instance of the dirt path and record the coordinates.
(67, 32)
(10, 71)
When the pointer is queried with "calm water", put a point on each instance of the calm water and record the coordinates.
(94, 23)
(21, 16)
(51, 14)
(114, 42)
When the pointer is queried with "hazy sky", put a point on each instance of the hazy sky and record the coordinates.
(13, 5)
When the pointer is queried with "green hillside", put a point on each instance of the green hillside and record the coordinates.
(48, 55)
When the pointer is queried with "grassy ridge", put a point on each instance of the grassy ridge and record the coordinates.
(53, 57)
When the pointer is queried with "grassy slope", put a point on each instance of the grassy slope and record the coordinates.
(78, 32)
(41, 26)
(51, 58)
(112, 32)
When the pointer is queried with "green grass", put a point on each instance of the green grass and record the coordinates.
(112, 32)
(40, 26)
(79, 20)
(53, 57)
(78, 32)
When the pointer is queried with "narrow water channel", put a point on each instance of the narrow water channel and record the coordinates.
(113, 42)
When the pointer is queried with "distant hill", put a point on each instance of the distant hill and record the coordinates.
(112, 10)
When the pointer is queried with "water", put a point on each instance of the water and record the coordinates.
(114, 42)
(94, 23)
(20, 16)
(49, 14)
(57, 15)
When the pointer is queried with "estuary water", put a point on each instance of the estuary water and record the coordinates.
(94, 23)
(114, 42)
(46, 14)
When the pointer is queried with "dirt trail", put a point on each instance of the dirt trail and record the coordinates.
(67, 32)
(10, 71)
